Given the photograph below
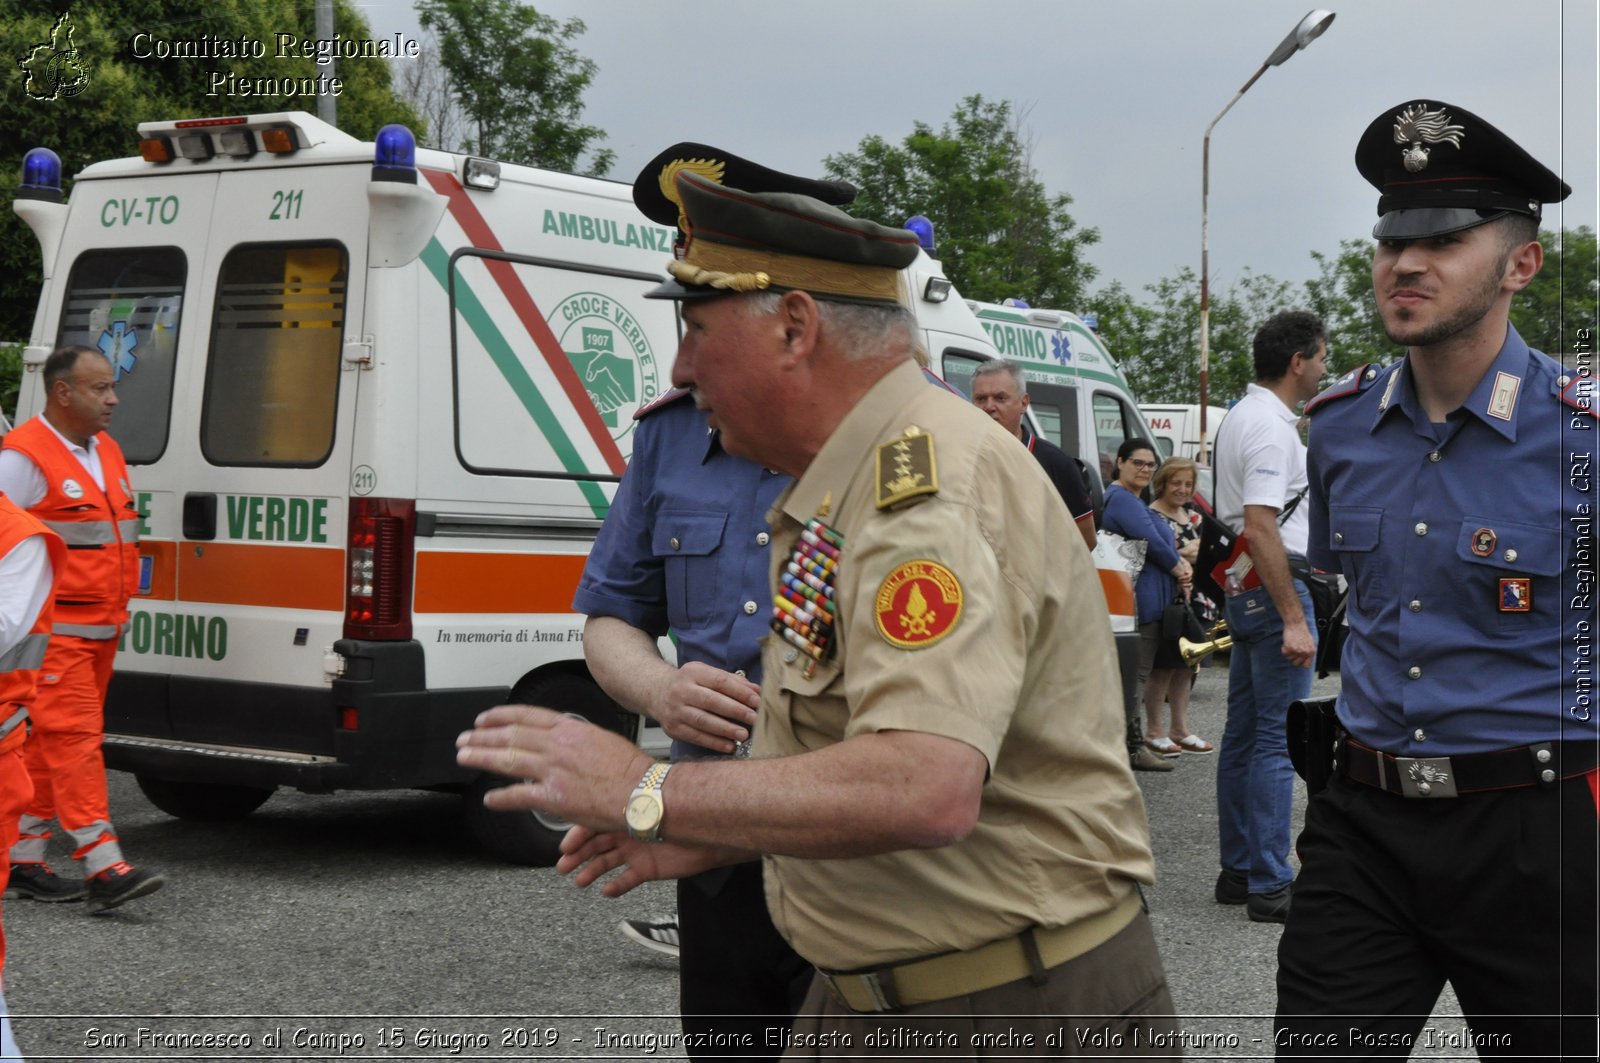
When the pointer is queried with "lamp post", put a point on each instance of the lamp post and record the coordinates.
(1310, 28)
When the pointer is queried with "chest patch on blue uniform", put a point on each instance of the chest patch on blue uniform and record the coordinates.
(1516, 595)
(906, 469)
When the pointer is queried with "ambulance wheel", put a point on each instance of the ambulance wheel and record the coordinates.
(204, 802)
(534, 838)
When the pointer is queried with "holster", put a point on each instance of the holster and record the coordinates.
(1313, 734)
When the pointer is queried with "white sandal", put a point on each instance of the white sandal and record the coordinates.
(1163, 747)
(1194, 744)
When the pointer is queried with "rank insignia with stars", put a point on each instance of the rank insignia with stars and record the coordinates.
(917, 604)
(906, 468)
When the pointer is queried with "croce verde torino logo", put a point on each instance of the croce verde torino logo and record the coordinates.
(611, 353)
(53, 69)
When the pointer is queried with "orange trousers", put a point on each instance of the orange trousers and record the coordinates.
(15, 791)
(63, 753)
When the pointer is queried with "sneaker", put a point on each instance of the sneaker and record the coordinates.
(1146, 760)
(1268, 907)
(39, 882)
(1233, 887)
(120, 883)
(659, 934)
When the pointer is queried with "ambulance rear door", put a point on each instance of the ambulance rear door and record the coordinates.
(245, 562)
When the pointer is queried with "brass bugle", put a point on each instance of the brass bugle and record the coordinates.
(1194, 652)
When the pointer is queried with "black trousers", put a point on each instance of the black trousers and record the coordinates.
(736, 974)
(1493, 892)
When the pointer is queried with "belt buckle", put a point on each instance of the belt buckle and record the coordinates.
(1426, 776)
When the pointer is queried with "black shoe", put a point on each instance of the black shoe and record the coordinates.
(1268, 907)
(37, 881)
(120, 883)
(1233, 887)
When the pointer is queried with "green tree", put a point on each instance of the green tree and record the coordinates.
(1157, 342)
(519, 82)
(118, 90)
(1565, 295)
(1000, 233)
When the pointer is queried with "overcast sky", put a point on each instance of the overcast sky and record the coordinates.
(1117, 93)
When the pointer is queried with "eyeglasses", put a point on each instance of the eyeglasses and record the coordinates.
(1140, 463)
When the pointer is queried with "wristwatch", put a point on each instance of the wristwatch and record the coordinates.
(645, 808)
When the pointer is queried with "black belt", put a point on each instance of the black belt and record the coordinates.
(1541, 764)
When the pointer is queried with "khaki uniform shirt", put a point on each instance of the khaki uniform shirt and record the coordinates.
(971, 614)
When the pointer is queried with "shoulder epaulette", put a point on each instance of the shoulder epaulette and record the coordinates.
(660, 403)
(906, 469)
(1579, 391)
(1354, 382)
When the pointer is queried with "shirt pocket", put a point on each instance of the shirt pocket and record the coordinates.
(1500, 586)
(1354, 534)
(809, 695)
(689, 544)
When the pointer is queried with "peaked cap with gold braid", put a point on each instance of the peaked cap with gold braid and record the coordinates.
(657, 198)
(743, 241)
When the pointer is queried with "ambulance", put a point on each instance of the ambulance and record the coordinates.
(1176, 428)
(376, 401)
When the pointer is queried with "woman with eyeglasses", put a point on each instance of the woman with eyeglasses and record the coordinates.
(1170, 678)
(1165, 574)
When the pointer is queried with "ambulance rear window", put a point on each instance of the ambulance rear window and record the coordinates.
(272, 377)
(128, 302)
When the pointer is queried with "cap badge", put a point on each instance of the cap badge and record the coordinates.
(710, 169)
(1417, 126)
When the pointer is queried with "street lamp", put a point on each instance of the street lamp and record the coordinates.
(1310, 28)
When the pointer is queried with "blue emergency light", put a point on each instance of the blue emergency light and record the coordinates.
(41, 176)
(395, 155)
(923, 227)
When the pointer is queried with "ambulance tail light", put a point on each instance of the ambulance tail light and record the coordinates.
(380, 557)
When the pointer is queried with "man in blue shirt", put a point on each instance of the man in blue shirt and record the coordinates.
(1456, 840)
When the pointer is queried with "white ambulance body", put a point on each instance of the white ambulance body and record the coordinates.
(376, 411)
(1176, 428)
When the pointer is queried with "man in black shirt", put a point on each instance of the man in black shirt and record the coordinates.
(999, 390)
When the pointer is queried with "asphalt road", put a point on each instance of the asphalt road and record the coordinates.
(367, 926)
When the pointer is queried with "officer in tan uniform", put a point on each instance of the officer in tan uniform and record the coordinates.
(953, 835)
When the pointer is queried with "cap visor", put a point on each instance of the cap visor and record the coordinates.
(671, 289)
(1418, 222)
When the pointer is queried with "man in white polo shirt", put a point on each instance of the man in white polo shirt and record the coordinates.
(1261, 486)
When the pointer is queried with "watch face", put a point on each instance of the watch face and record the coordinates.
(644, 812)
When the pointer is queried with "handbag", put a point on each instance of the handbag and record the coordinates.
(1179, 620)
(1118, 553)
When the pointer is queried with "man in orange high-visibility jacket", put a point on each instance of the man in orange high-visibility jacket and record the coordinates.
(64, 469)
(30, 556)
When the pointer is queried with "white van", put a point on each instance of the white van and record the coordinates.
(1176, 429)
(376, 401)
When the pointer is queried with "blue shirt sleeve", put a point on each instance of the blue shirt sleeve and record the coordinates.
(624, 578)
(1131, 518)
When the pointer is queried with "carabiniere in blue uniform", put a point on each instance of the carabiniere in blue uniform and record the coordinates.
(688, 516)
(1486, 525)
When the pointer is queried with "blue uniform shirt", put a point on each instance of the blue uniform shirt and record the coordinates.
(1469, 547)
(685, 546)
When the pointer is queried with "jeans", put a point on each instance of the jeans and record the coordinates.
(1255, 781)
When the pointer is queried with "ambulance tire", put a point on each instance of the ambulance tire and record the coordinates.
(203, 802)
(534, 838)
